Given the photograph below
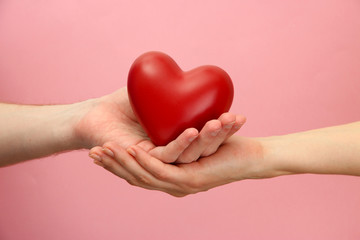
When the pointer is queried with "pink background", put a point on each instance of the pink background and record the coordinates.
(295, 66)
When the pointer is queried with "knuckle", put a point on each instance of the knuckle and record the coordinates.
(109, 145)
(187, 190)
(144, 180)
(124, 162)
(195, 185)
(179, 145)
(108, 165)
(178, 195)
(161, 175)
(131, 182)
(208, 152)
(187, 158)
(167, 158)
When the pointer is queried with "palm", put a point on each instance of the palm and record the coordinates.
(222, 168)
(111, 119)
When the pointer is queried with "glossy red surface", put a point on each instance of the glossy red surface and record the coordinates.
(167, 100)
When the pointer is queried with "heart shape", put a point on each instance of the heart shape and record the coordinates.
(167, 100)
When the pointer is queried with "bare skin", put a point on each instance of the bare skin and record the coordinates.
(332, 150)
(29, 132)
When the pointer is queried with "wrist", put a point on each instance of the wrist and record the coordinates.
(274, 160)
(256, 158)
(73, 132)
(61, 123)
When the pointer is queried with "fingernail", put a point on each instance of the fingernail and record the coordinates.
(98, 163)
(95, 157)
(239, 125)
(215, 133)
(192, 138)
(228, 126)
(107, 151)
(131, 152)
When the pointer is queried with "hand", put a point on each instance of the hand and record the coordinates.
(111, 119)
(38, 131)
(213, 134)
(238, 158)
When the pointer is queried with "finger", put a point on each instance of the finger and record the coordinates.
(184, 179)
(95, 150)
(172, 151)
(207, 135)
(103, 159)
(95, 154)
(162, 171)
(139, 176)
(117, 169)
(227, 122)
(114, 167)
(147, 145)
(239, 122)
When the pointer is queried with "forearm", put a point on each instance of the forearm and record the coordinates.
(332, 150)
(29, 132)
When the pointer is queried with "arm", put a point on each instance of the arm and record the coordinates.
(28, 132)
(333, 150)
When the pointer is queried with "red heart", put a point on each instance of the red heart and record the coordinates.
(167, 100)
